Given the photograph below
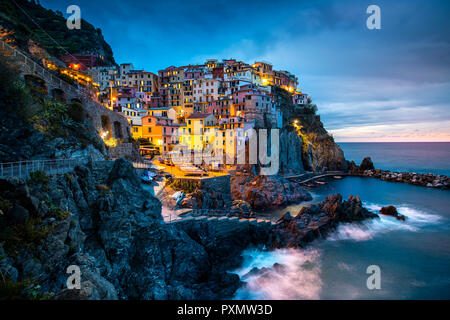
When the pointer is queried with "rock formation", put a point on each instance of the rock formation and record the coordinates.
(366, 169)
(267, 192)
(317, 220)
(100, 219)
(392, 211)
(367, 164)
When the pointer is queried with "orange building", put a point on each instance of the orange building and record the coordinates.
(160, 131)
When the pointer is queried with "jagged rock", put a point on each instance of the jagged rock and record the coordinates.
(18, 214)
(241, 209)
(117, 237)
(85, 293)
(428, 180)
(123, 169)
(366, 164)
(392, 211)
(317, 220)
(267, 192)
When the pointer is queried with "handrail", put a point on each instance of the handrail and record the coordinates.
(50, 166)
(23, 169)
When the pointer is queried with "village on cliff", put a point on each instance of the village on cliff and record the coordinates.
(212, 104)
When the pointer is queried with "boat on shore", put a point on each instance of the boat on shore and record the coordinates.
(147, 176)
(310, 185)
(178, 196)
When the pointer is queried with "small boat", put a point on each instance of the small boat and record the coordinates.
(178, 196)
(147, 176)
(321, 183)
(337, 177)
(310, 185)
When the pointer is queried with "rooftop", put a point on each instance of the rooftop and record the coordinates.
(199, 115)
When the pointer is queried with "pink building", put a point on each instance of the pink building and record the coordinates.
(221, 108)
(194, 72)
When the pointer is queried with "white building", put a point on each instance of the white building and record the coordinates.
(205, 90)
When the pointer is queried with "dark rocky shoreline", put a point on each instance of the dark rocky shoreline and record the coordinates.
(100, 218)
(317, 220)
(367, 169)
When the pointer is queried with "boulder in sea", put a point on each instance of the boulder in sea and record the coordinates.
(366, 164)
(317, 220)
(392, 211)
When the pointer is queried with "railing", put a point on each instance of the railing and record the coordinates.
(22, 169)
(142, 165)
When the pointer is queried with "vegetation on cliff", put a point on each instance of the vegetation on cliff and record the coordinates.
(29, 20)
(319, 151)
(32, 126)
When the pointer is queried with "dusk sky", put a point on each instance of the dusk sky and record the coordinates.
(391, 84)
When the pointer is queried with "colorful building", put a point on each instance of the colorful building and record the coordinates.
(160, 131)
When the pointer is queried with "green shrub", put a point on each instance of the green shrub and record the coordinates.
(18, 236)
(58, 213)
(21, 290)
(76, 112)
(14, 95)
(39, 178)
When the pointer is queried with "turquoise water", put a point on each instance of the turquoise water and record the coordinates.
(420, 157)
(413, 256)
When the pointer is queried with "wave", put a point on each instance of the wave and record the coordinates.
(415, 220)
(280, 274)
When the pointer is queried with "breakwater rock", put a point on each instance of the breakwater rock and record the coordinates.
(419, 179)
(317, 220)
(392, 211)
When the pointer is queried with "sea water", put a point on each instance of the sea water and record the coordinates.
(413, 256)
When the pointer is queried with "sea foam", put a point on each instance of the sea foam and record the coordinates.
(366, 230)
(296, 275)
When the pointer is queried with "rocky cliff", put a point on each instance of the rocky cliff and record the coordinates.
(100, 219)
(304, 142)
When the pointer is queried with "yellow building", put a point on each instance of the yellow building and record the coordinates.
(136, 131)
(193, 134)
